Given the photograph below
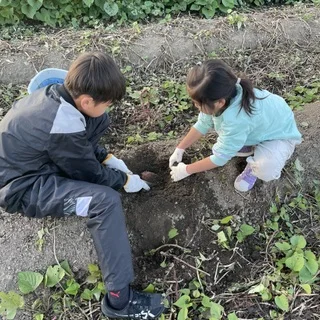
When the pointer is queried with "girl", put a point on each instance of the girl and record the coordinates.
(248, 121)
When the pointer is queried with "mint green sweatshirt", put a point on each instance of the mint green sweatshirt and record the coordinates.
(272, 119)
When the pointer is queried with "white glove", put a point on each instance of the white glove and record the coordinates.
(135, 184)
(176, 156)
(113, 162)
(179, 172)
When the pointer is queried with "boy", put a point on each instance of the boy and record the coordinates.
(51, 164)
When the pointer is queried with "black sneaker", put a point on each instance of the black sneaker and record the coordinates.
(141, 305)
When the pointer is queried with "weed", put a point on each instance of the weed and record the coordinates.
(235, 19)
(228, 235)
(295, 267)
(89, 12)
(55, 290)
(303, 94)
(40, 240)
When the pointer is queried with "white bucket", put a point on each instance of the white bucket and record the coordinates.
(46, 77)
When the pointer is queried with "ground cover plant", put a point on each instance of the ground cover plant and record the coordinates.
(216, 254)
(88, 12)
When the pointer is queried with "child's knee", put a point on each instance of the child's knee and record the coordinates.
(102, 200)
(108, 198)
(266, 170)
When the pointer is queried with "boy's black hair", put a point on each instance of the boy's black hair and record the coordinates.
(97, 75)
(214, 80)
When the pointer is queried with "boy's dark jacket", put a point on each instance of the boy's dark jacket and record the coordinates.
(44, 134)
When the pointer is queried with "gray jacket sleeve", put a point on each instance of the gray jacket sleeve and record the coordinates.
(75, 156)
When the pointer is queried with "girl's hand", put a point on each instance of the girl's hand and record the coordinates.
(179, 172)
(176, 157)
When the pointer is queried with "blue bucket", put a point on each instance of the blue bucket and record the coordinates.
(46, 77)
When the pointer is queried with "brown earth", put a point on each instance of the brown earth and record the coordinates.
(189, 205)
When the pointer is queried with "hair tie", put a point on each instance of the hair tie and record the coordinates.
(238, 81)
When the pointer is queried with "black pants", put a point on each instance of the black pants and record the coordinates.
(57, 196)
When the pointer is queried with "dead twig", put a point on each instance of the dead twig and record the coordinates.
(184, 262)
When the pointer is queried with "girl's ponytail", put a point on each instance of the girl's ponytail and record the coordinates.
(248, 96)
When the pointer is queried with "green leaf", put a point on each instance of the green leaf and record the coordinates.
(66, 267)
(208, 12)
(273, 208)
(28, 10)
(228, 231)
(7, 13)
(232, 316)
(10, 303)
(298, 241)
(183, 302)
(173, 233)
(185, 291)
(312, 266)
(282, 302)
(111, 8)
(216, 310)
(215, 227)
(206, 302)
(150, 288)
(38, 316)
(153, 136)
(29, 281)
(4, 3)
(240, 236)
(298, 165)
(86, 294)
(222, 237)
(295, 262)
(88, 3)
(54, 275)
(246, 229)
(306, 288)
(228, 3)
(257, 289)
(283, 246)
(196, 293)
(305, 276)
(226, 220)
(262, 290)
(91, 279)
(94, 270)
(202, 2)
(35, 3)
(195, 7)
(309, 255)
(73, 287)
(98, 290)
(183, 313)
(266, 295)
(45, 16)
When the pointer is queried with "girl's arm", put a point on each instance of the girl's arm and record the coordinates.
(192, 136)
(202, 165)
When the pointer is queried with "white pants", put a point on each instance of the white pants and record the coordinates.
(270, 158)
